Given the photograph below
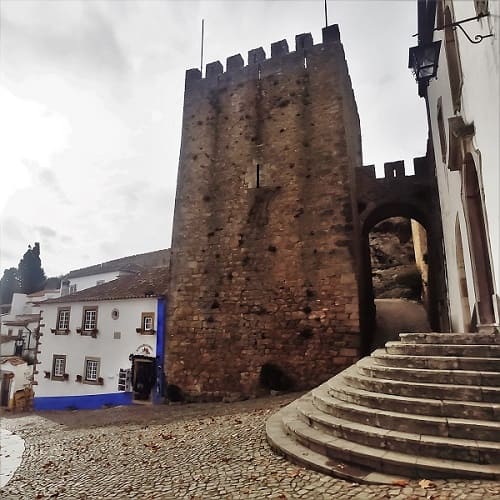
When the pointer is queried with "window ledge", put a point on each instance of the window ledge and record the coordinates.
(57, 331)
(145, 332)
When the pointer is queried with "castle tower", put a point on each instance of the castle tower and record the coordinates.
(263, 269)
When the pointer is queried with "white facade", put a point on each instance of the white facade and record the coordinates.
(466, 91)
(22, 320)
(111, 347)
(21, 375)
(82, 282)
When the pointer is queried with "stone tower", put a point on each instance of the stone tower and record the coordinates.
(263, 289)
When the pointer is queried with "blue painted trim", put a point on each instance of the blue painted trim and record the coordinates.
(160, 349)
(86, 402)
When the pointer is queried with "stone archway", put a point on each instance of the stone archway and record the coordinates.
(399, 195)
(367, 296)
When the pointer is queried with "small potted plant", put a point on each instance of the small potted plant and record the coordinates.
(94, 333)
(66, 376)
(78, 378)
(100, 381)
(67, 331)
(46, 374)
(78, 330)
(53, 330)
(138, 330)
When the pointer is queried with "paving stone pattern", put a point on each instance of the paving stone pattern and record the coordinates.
(196, 451)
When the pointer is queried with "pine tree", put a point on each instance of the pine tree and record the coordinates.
(30, 272)
(9, 284)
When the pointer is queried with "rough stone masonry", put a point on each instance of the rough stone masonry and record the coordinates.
(263, 291)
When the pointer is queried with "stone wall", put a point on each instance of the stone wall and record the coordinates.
(263, 261)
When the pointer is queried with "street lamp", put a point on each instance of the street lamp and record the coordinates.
(423, 61)
(19, 345)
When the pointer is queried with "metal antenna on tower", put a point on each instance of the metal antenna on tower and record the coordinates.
(202, 37)
(326, 15)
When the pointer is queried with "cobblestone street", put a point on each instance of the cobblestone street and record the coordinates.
(196, 451)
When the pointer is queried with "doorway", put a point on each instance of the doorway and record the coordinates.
(143, 377)
(5, 388)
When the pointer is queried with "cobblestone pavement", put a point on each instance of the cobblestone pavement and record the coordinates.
(195, 451)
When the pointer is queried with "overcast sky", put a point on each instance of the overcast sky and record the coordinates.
(91, 105)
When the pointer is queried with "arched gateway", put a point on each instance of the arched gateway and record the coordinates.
(399, 195)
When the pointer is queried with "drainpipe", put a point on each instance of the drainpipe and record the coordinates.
(158, 394)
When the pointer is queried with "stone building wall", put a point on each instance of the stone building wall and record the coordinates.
(263, 261)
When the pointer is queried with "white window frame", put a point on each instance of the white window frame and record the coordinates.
(89, 319)
(91, 366)
(58, 366)
(63, 316)
(148, 323)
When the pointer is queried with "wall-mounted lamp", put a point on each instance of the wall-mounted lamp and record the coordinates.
(423, 60)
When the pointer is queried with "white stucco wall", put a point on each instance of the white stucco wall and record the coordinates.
(113, 353)
(480, 104)
(84, 282)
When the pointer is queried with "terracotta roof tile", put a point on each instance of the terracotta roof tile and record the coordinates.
(131, 263)
(152, 282)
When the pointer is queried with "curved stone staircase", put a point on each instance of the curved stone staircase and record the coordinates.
(426, 406)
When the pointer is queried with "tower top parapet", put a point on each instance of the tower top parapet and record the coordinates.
(257, 63)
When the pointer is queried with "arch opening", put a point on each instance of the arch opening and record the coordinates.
(397, 288)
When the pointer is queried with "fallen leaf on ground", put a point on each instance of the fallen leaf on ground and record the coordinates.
(401, 482)
(425, 483)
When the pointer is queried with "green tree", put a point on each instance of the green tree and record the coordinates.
(9, 284)
(30, 272)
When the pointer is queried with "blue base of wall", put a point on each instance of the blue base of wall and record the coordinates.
(88, 402)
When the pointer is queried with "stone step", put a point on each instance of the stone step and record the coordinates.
(285, 445)
(423, 390)
(413, 405)
(450, 338)
(460, 428)
(436, 362)
(370, 368)
(473, 351)
(385, 461)
(467, 450)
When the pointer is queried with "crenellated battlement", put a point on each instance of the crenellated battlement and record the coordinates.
(395, 170)
(257, 64)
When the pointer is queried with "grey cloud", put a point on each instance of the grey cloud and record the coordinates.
(46, 232)
(47, 179)
(90, 43)
(13, 228)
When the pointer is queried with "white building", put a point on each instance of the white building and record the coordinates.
(15, 376)
(464, 113)
(19, 326)
(103, 345)
(80, 279)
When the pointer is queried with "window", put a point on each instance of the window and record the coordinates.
(453, 58)
(58, 366)
(148, 322)
(63, 319)
(91, 369)
(72, 289)
(89, 320)
(481, 7)
(442, 132)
